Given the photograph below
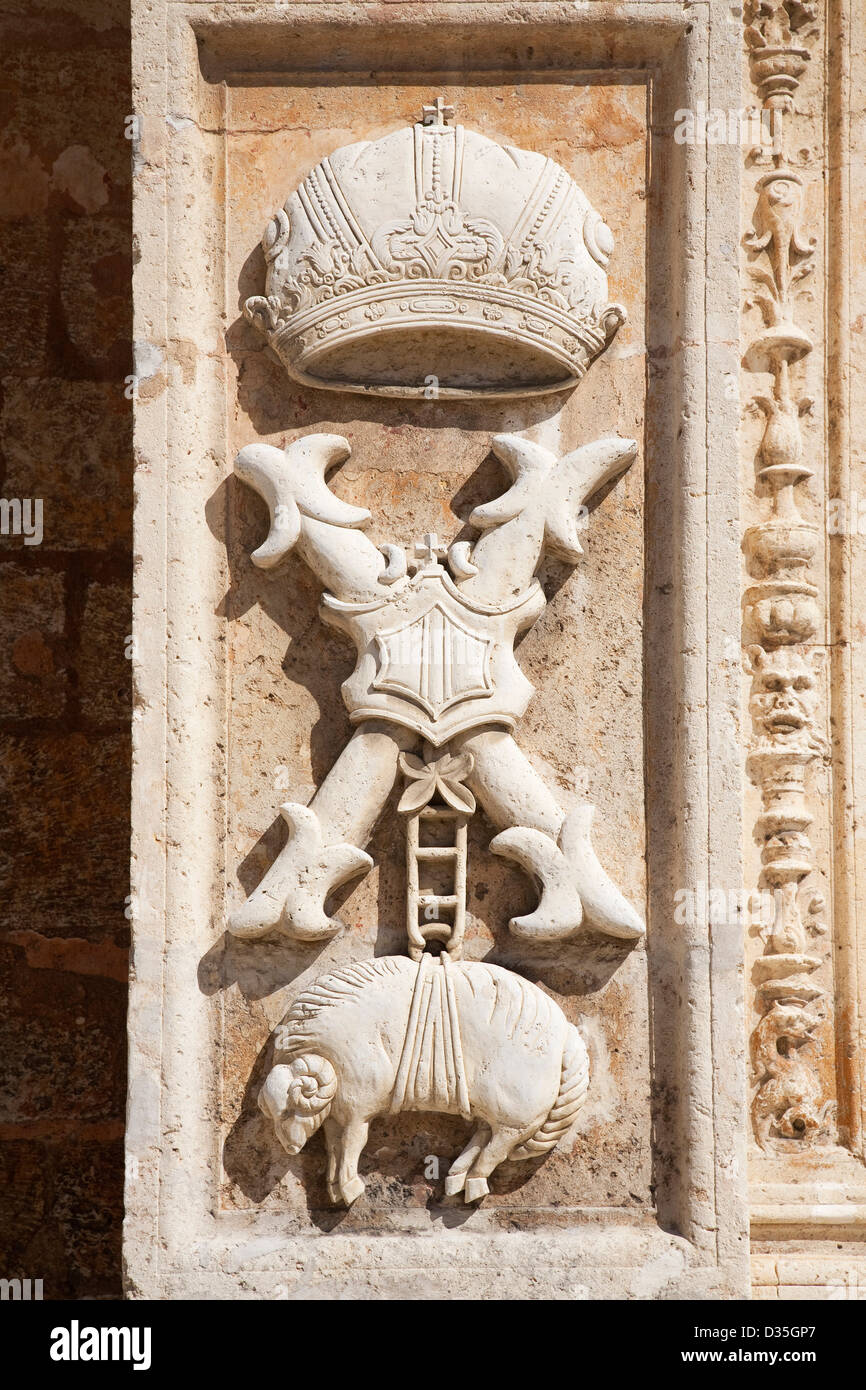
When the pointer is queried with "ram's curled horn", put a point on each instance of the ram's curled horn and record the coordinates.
(292, 483)
(274, 1095)
(529, 464)
(313, 1085)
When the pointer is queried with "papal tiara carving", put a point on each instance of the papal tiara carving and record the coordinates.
(435, 262)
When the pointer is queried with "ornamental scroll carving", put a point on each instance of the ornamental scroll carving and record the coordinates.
(434, 698)
(784, 621)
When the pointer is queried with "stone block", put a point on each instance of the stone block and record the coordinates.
(61, 1211)
(60, 1033)
(104, 653)
(33, 664)
(69, 443)
(64, 846)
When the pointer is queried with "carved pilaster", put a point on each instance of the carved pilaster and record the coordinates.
(777, 32)
(784, 620)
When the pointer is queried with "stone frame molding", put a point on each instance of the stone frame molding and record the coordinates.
(177, 1241)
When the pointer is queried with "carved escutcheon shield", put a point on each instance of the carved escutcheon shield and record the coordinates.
(434, 660)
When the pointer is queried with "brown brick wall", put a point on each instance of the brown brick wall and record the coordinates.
(65, 437)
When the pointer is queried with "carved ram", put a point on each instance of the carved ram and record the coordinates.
(453, 1037)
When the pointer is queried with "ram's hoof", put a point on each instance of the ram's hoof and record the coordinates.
(476, 1188)
(454, 1183)
(350, 1191)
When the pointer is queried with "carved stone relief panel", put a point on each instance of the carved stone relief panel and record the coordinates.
(439, 553)
(432, 580)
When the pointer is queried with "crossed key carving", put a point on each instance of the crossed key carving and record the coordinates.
(435, 641)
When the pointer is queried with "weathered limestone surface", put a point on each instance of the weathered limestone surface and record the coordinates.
(641, 705)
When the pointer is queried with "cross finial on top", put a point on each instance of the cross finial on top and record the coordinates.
(437, 114)
(430, 549)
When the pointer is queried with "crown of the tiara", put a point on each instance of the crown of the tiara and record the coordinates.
(435, 262)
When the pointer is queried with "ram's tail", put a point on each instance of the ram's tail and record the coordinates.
(573, 1086)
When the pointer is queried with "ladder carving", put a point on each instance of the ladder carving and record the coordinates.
(424, 923)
